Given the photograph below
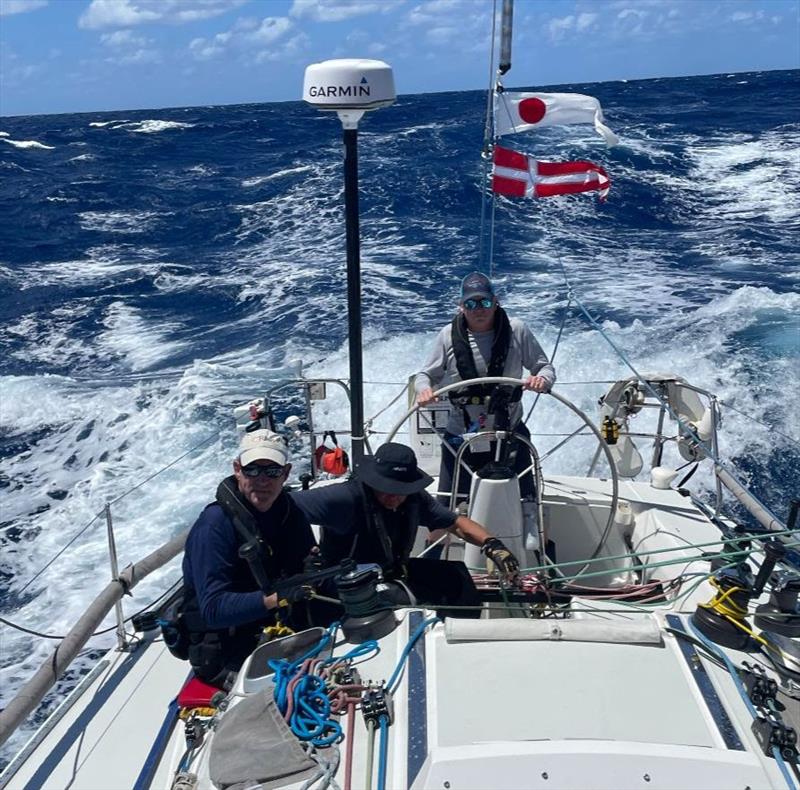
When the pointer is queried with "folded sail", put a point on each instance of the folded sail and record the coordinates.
(517, 175)
(518, 112)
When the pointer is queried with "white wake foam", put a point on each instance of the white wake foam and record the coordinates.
(120, 221)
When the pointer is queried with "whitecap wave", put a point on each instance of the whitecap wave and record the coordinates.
(256, 180)
(140, 343)
(125, 222)
(27, 144)
(152, 126)
(763, 174)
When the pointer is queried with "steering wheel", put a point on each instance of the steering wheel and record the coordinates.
(506, 381)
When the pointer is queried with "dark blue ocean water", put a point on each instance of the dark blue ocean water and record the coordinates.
(158, 267)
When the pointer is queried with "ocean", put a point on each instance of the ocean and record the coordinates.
(159, 267)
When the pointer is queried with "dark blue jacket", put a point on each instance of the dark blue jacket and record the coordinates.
(221, 583)
(352, 521)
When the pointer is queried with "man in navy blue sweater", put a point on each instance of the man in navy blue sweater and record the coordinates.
(374, 518)
(225, 605)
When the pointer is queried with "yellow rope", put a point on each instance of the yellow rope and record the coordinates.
(185, 713)
(277, 631)
(733, 612)
(722, 604)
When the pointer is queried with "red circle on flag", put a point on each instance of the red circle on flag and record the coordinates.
(532, 110)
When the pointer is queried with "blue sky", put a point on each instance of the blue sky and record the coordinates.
(90, 55)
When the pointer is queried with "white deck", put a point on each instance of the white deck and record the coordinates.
(476, 714)
(102, 740)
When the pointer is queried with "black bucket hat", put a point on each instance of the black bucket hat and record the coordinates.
(393, 470)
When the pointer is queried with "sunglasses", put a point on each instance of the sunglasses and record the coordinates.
(254, 470)
(474, 304)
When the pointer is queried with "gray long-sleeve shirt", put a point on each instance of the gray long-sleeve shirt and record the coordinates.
(524, 351)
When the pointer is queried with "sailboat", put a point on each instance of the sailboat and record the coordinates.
(650, 641)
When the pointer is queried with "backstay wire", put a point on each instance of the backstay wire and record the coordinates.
(487, 138)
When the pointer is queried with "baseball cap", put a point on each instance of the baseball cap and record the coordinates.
(264, 445)
(476, 286)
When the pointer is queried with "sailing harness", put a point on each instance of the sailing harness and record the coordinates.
(394, 555)
(185, 633)
(251, 547)
(495, 399)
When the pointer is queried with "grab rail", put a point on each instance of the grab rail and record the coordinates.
(32, 693)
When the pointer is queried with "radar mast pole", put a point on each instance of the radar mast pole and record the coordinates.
(350, 88)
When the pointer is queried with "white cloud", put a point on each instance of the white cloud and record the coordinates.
(137, 57)
(123, 38)
(252, 35)
(442, 34)
(203, 49)
(434, 12)
(449, 21)
(8, 7)
(559, 27)
(338, 10)
(627, 13)
(129, 49)
(115, 13)
(585, 21)
(631, 23)
(747, 16)
(289, 49)
(21, 73)
(126, 13)
(271, 29)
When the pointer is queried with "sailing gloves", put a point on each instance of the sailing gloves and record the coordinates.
(313, 563)
(506, 563)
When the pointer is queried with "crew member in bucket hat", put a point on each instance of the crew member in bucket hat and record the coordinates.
(374, 518)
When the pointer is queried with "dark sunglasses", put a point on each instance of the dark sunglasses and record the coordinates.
(254, 470)
(474, 304)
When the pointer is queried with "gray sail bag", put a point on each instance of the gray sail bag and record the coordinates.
(254, 746)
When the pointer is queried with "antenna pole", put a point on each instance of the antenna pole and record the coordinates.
(354, 292)
(351, 87)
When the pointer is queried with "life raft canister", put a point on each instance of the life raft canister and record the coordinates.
(332, 460)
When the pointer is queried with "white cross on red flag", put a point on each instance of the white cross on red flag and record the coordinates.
(517, 175)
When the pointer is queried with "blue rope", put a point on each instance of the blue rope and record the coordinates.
(737, 681)
(395, 678)
(370, 646)
(285, 670)
(311, 719)
(383, 754)
(784, 769)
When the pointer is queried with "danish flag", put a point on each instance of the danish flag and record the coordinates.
(517, 175)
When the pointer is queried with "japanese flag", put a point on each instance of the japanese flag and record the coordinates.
(517, 175)
(518, 112)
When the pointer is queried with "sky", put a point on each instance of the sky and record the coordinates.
(90, 55)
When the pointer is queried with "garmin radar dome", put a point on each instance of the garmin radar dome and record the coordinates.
(349, 84)
(350, 87)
